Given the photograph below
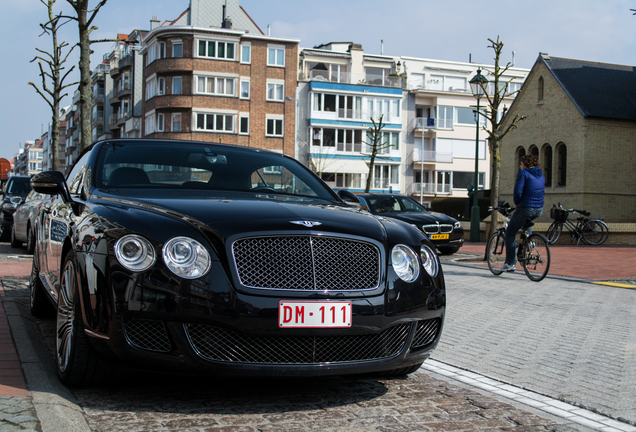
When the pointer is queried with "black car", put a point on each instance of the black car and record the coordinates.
(444, 232)
(14, 192)
(208, 258)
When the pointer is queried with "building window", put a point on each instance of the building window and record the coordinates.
(161, 121)
(324, 137)
(150, 124)
(216, 49)
(385, 175)
(376, 76)
(245, 89)
(246, 54)
(445, 117)
(521, 152)
(177, 49)
(540, 93)
(349, 107)
(276, 56)
(175, 124)
(444, 179)
(216, 86)
(349, 140)
(274, 127)
(161, 86)
(562, 164)
(461, 179)
(176, 85)
(448, 83)
(275, 92)
(151, 89)
(547, 165)
(324, 102)
(344, 180)
(244, 124)
(215, 122)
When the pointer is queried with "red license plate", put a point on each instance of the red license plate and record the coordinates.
(331, 314)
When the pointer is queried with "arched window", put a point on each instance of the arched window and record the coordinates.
(540, 95)
(547, 164)
(534, 150)
(562, 164)
(521, 152)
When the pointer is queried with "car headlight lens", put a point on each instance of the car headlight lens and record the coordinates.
(186, 257)
(457, 225)
(405, 263)
(135, 253)
(429, 260)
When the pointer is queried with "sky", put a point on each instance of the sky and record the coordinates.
(455, 30)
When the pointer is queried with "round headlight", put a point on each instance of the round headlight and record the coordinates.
(429, 260)
(186, 257)
(135, 253)
(405, 263)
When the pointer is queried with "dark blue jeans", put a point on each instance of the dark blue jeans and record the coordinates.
(518, 219)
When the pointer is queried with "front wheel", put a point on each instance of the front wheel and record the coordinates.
(595, 232)
(76, 361)
(536, 257)
(554, 232)
(496, 253)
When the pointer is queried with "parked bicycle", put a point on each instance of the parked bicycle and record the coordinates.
(533, 252)
(592, 231)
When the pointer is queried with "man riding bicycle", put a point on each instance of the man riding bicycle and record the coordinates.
(528, 197)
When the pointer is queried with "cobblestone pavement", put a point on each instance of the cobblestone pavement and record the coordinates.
(568, 340)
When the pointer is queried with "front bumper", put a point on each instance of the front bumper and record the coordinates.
(208, 327)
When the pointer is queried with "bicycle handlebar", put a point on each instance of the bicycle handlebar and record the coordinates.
(583, 212)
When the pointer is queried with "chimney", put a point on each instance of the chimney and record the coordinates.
(154, 23)
(227, 23)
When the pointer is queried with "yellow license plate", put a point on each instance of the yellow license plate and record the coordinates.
(439, 236)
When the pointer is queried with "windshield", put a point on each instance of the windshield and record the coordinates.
(205, 167)
(391, 204)
(19, 186)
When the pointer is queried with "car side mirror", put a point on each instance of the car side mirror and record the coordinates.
(16, 201)
(348, 197)
(54, 183)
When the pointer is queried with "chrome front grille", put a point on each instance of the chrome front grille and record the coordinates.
(217, 344)
(148, 335)
(425, 333)
(307, 263)
(437, 228)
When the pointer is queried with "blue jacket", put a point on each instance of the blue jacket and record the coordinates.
(529, 188)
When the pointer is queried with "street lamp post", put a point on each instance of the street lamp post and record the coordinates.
(477, 84)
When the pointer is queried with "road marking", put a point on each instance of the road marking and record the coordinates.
(535, 400)
(615, 284)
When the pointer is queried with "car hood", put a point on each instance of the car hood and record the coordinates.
(420, 218)
(239, 213)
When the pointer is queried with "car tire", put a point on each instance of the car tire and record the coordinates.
(4, 233)
(77, 363)
(401, 371)
(448, 250)
(30, 243)
(15, 243)
(39, 306)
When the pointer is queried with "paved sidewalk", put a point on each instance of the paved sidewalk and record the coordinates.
(593, 263)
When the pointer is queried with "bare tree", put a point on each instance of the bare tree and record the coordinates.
(54, 74)
(495, 98)
(376, 140)
(85, 17)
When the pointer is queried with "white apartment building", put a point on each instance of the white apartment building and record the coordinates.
(426, 105)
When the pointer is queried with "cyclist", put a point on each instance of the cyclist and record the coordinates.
(528, 197)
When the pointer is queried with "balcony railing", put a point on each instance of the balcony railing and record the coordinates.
(112, 120)
(431, 188)
(424, 123)
(432, 156)
(349, 78)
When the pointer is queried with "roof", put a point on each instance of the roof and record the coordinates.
(597, 89)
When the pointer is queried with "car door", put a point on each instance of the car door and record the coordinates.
(57, 221)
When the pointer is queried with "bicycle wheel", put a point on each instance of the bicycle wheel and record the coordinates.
(536, 257)
(594, 232)
(554, 232)
(496, 253)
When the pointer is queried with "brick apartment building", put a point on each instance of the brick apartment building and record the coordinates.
(212, 75)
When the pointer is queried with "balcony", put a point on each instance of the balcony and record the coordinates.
(431, 156)
(126, 62)
(112, 120)
(422, 123)
(122, 117)
(97, 119)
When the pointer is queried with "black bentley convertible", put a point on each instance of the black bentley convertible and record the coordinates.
(206, 258)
